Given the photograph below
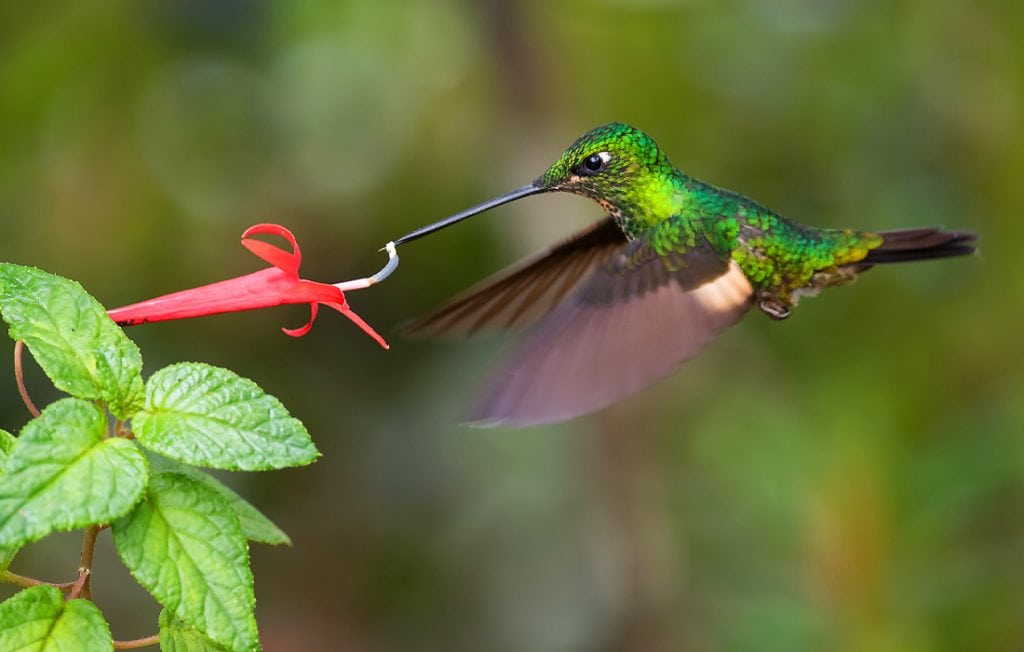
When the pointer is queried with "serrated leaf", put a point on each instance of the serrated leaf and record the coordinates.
(255, 524)
(6, 444)
(63, 474)
(176, 636)
(208, 416)
(185, 546)
(38, 620)
(71, 337)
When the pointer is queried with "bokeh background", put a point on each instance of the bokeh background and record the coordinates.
(850, 479)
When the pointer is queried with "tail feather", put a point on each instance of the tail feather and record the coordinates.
(920, 244)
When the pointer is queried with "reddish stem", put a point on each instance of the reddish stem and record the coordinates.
(81, 587)
(20, 376)
(121, 430)
(28, 582)
(137, 643)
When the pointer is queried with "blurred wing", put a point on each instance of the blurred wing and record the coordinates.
(518, 296)
(632, 322)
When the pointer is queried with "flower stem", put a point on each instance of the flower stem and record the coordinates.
(20, 376)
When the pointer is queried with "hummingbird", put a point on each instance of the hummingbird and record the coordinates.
(623, 303)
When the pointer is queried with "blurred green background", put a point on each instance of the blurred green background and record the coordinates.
(850, 479)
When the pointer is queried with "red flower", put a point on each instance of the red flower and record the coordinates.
(276, 286)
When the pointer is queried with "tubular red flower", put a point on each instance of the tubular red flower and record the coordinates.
(277, 285)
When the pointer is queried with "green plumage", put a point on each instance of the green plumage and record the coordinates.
(648, 197)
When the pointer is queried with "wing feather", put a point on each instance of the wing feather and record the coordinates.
(518, 296)
(630, 323)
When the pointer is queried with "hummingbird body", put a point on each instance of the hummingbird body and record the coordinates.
(780, 258)
(676, 261)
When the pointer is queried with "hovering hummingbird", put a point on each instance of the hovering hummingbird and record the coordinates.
(675, 262)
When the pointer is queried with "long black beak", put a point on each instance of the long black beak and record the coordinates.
(525, 191)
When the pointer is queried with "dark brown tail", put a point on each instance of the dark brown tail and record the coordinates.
(920, 244)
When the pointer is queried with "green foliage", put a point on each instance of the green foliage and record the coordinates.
(181, 532)
(176, 636)
(39, 620)
(64, 474)
(7, 554)
(6, 444)
(187, 528)
(212, 417)
(255, 525)
(82, 351)
(7, 440)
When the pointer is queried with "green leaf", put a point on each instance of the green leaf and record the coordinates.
(7, 555)
(63, 474)
(38, 620)
(212, 417)
(176, 636)
(71, 337)
(6, 444)
(186, 547)
(255, 525)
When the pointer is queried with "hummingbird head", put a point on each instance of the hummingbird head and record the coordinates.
(616, 165)
(623, 170)
(613, 164)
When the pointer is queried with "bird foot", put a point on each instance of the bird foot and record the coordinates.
(774, 307)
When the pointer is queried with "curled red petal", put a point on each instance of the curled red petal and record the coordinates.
(302, 330)
(283, 260)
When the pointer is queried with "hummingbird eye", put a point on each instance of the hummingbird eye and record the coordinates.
(594, 164)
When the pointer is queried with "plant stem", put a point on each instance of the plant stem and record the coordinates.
(18, 347)
(121, 430)
(26, 582)
(137, 643)
(81, 586)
